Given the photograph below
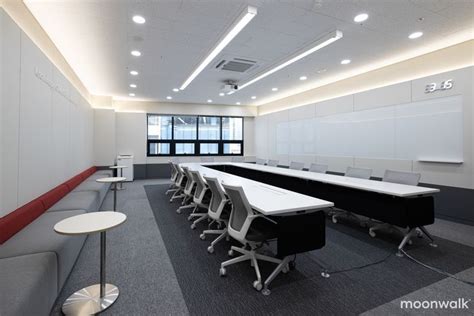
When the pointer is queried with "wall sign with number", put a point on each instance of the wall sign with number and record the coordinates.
(433, 87)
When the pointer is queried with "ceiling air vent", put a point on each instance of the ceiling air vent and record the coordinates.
(236, 65)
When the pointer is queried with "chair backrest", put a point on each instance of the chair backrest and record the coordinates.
(201, 187)
(174, 172)
(360, 173)
(207, 159)
(401, 177)
(190, 182)
(272, 163)
(318, 168)
(239, 222)
(218, 199)
(261, 161)
(238, 159)
(181, 176)
(296, 165)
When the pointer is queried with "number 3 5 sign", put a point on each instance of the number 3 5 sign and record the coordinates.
(433, 87)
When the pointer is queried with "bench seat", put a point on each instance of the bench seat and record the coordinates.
(83, 200)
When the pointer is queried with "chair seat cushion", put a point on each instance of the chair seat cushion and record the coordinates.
(84, 200)
(261, 230)
(39, 236)
(29, 284)
(92, 185)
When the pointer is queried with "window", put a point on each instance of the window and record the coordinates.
(170, 135)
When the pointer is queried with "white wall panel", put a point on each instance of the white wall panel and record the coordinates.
(390, 95)
(249, 138)
(131, 135)
(104, 137)
(335, 106)
(261, 136)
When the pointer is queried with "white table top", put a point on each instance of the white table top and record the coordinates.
(111, 179)
(117, 167)
(395, 189)
(264, 198)
(89, 223)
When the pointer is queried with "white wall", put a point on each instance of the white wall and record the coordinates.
(104, 137)
(318, 132)
(47, 127)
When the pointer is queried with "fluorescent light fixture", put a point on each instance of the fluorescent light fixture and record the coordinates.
(303, 78)
(238, 103)
(136, 53)
(131, 94)
(245, 17)
(222, 94)
(138, 19)
(176, 90)
(134, 73)
(209, 101)
(361, 17)
(253, 97)
(317, 45)
(169, 97)
(415, 35)
(132, 85)
(345, 61)
(274, 89)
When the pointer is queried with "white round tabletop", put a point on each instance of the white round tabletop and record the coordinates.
(89, 223)
(111, 179)
(117, 167)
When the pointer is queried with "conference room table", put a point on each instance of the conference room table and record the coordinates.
(405, 206)
(301, 224)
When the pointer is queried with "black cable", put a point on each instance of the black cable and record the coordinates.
(436, 269)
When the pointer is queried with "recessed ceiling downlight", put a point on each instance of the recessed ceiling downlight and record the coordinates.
(274, 89)
(253, 97)
(222, 94)
(136, 53)
(209, 101)
(303, 78)
(131, 94)
(138, 19)
(132, 85)
(345, 61)
(169, 97)
(134, 73)
(238, 103)
(176, 90)
(361, 17)
(415, 35)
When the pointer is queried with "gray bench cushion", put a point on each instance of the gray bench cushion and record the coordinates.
(84, 200)
(92, 185)
(29, 284)
(39, 236)
(102, 173)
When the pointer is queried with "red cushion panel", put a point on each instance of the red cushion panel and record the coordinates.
(51, 197)
(18, 219)
(74, 182)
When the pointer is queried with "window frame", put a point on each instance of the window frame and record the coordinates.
(197, 142)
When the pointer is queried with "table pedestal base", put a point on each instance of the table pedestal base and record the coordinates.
(88, 302)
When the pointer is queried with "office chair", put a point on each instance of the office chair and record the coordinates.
(261, 161)
(296, 165)
(360, 173)
(201, 198)
(251, 230)
(180, 183)
(173, 176)
(318, 168)
(188, 191)
(207, 159)
(238, 159)
(218, 212)
(272, 163)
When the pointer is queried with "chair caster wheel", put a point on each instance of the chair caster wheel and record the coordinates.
(190, 217)
(410, 242)
(292, 265)
(222, 272)
(210, 249)
(334, 220)
(419, 234)
(193, 226)
(202, 236)
(285, 270)
(257, 285)
(266, 291)
(399, 254)
(227, 238)
(325, 275)
(432, 244)
(230, 253)
(178, 211)
(372, 233)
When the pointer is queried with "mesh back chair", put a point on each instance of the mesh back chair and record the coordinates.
(188, 191)
(250, 229)
(318, 168)
(217, 212)
(272, 163)
(360, 173)
(180, 183)
(407, 178)
(207, 159)
(238, 159)
(296, 165)
(261, 161)
(173, 176)
(201, 198)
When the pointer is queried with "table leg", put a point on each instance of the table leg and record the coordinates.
(121, 183)
(115, 196)
(95, 298)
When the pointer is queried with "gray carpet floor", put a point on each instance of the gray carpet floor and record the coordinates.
(303, 291)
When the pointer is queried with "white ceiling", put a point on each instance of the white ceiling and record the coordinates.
(96, 38)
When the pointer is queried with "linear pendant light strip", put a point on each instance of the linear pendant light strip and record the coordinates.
(320, 43)
(245, 17)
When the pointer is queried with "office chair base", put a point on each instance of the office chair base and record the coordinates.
(325, 274)
(341, 213)
(283, 266)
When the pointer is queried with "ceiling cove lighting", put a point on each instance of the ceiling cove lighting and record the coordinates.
(132, 85)
(303, 78)
(138, 19)
(345, 61)
(317, 45)
(134, 73)
(361, 17)
(176, 90)
(169, 97)
(136, 53)
(415, 35)
(245, 17)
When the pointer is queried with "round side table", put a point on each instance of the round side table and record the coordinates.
(98, 297)
(119, 169)
(114, 181)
